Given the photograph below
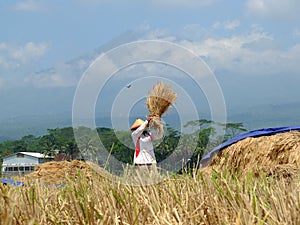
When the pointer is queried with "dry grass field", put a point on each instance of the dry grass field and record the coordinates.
(255, 181)
(205, 198)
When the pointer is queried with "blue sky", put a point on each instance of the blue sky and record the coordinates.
(37, 34)
(241, 41)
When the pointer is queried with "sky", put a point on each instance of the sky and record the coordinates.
(252, 46)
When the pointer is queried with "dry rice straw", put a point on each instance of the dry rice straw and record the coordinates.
(277, 154)
(159, 99)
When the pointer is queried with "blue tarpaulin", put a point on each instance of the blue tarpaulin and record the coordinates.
(254, 133)
(11, 182)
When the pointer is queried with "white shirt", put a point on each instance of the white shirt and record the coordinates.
(146, 154)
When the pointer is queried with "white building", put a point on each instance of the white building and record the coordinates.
(22, 163)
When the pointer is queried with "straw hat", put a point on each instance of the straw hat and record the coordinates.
(136, 124)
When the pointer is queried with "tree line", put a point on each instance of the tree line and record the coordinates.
(119, 143)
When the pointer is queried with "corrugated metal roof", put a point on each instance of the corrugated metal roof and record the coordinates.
(34, 154)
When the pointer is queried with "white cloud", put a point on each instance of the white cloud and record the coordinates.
(248, 54)
(253, 53)
(296, 33)
(29, 51)
(162, 34)
(13, 56)
(290, 59)
(212, 46)
(232, 25)
(6, 61)
(4, 64)
(29, 5)
(227, 25)
(16, 62)
(53, 80)
(63, 75)
(281, 9)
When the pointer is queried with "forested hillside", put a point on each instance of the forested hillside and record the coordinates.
(118, 142)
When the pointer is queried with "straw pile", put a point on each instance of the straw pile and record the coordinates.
(59, 172)
(158, 101)
(275, 155)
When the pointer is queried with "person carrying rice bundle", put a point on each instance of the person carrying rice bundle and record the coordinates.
(142, 138)
(158, 101)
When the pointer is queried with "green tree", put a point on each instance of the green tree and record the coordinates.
(233, 129)
(86, 140)
(168, 144)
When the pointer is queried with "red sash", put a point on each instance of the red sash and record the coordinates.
(137, 147)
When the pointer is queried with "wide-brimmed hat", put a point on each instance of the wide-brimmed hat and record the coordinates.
(136, 124)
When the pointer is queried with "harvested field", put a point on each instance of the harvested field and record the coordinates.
(61, 172)
(274, 155)
(204, 198)
(277, 155)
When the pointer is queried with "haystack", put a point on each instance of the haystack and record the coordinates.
(59, 172)
(159, 99)
(277, 155)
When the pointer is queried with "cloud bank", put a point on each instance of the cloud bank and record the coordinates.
(287, 9)
(14, 55)
(250, 53)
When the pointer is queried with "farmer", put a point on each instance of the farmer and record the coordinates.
(142, 139)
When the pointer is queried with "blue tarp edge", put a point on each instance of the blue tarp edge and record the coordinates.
(11, 182)
(254, 133)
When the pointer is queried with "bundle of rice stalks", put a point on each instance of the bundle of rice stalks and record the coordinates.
(59, 172)
(276, 155)
(158, 101)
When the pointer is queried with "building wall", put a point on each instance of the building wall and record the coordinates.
(20, 164)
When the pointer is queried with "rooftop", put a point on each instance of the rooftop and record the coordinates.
(35, 154)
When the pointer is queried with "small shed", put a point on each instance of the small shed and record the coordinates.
(22, 163)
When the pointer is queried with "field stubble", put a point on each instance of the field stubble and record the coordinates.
(255, 181)
(205, 198)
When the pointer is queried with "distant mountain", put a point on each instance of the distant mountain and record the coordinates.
(32, 124)
(3, 138)
(252, 118)
(256, 101)
(272, 115)
(79, 64)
